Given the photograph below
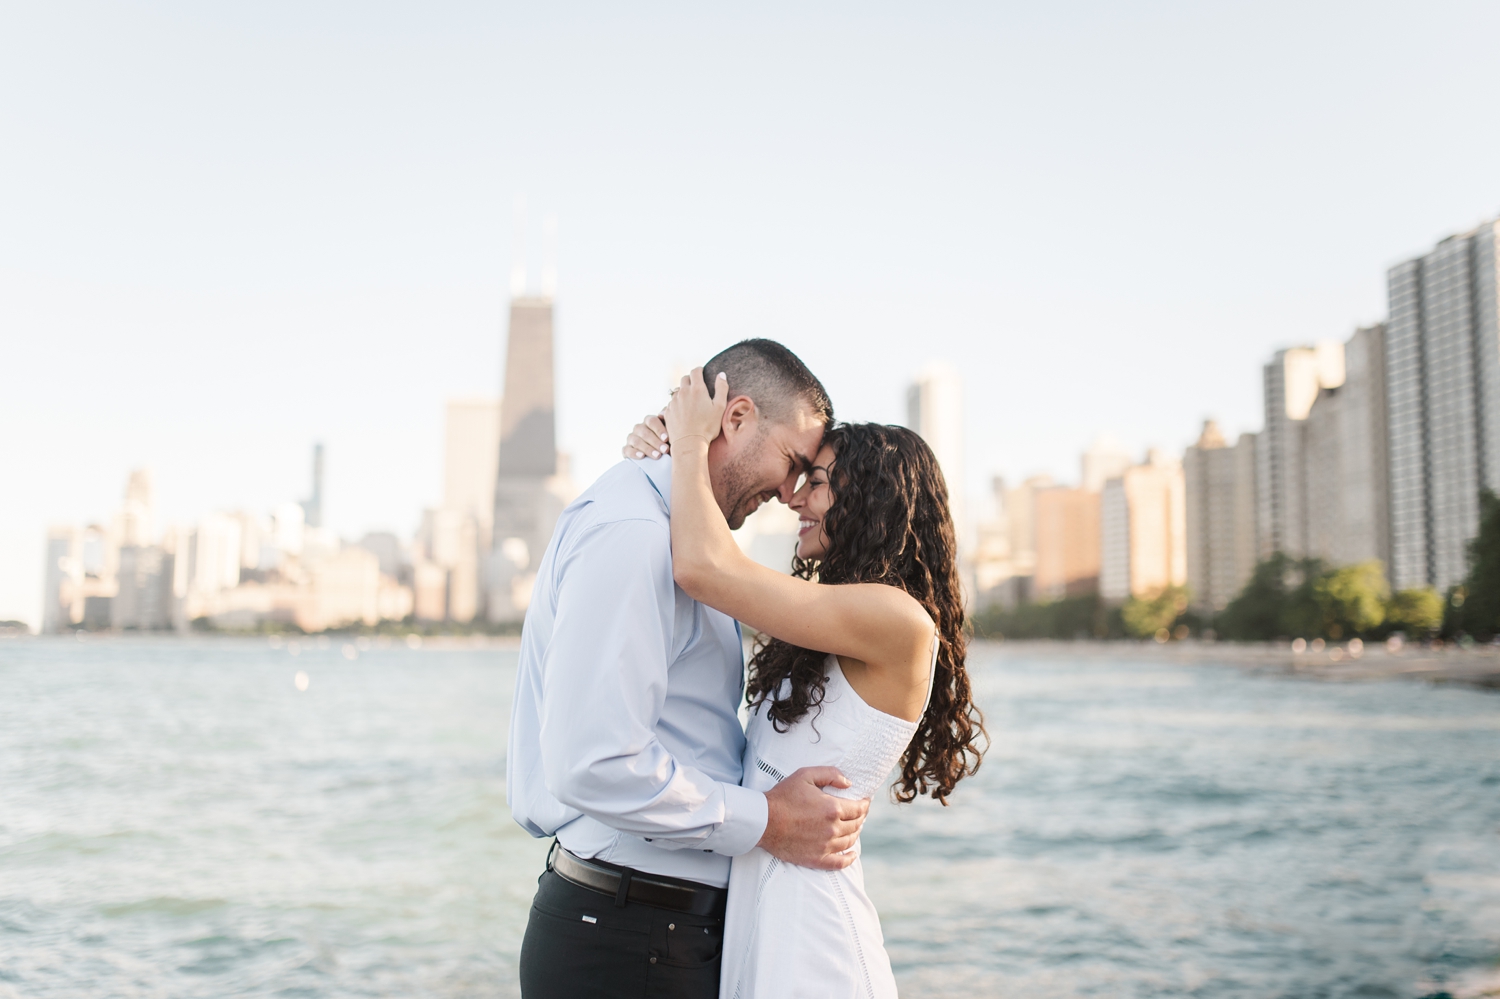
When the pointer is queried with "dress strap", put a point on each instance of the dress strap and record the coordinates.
(937, 645)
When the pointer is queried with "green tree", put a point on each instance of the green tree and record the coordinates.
(1416, 612)
(1070, 617)
(1301, 614)
(1281, 599)
(1475, 606)
(1255, 615)
(1144, 617)
(1351, 600)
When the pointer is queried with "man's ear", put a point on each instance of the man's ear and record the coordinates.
(739, 414)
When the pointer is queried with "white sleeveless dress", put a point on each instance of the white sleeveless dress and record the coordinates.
(792, 931)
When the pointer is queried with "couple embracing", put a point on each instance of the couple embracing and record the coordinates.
(694, 856)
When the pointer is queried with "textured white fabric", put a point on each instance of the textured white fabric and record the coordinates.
(790, 931)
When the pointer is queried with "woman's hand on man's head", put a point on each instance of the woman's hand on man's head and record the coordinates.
(648, 439)
(698, 410)
(693, 412)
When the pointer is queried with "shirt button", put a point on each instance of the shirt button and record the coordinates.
(653, 960)
(671, 926)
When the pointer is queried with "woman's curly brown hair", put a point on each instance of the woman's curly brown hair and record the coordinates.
(888, 523)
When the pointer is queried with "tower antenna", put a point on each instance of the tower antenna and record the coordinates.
(549, 256)
(518, 251)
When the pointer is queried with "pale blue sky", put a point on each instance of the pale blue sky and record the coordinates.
(226, 232)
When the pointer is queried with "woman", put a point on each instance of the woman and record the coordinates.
(865, 675)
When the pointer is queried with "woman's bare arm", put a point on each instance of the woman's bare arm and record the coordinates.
(879, 625)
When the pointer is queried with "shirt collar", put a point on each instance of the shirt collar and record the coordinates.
(659, 474)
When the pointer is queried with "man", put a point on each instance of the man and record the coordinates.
(625, 740)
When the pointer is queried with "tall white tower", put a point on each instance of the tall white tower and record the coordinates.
(935, 409)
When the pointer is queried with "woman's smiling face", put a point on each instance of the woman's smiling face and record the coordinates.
(811, 501)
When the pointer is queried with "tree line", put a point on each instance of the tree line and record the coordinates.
(1287, 598)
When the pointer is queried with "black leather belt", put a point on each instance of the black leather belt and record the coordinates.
(626, 884)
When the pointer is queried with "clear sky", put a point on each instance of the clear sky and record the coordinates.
(230, 230)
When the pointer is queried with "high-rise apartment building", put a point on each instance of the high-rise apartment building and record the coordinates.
(214, 554)
(1143, 531)
(312, 507)
(935, 409)
(1345, 459)
(1293, 380)
(135, 524)
(1104, 460)
(531, 487)
(1443, 404)
(1067, 542)
(459, 535)
(144, 599)
(1220, 516)
(1005, 553)
(62, 582)
(345, 589)
(471, 452)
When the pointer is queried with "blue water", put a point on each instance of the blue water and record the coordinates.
(178, 819)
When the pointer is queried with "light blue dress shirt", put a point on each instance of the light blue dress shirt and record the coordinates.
(625, 738)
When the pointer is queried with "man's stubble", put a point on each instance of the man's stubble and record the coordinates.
(737, 483)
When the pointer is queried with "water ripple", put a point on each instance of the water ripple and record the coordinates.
(177, 819)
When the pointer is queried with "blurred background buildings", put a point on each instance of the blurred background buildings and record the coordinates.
(1374, 449)
(470, 562)
(310, 254)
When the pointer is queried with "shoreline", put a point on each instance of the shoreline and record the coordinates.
(323, 640)
(1474, 667)
(1477, 667)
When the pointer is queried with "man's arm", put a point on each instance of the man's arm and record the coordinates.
(604, 684)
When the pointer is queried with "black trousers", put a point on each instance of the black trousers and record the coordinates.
(580, 946)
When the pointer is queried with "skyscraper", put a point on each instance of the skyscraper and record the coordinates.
(1104, 460)
(135, 524)
(1143, 534)
(1345, 446)
(1067, 542)
(470, 454)
(144, 600)
(1005, 554)
(213, 556)
(471, 451)
(1292, 382)
(62, 584)
(1220, 521)
(1443, 390)
(312, 507)
(529, 491)
(935, 409)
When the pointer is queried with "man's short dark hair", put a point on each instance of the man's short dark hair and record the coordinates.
(773, 377)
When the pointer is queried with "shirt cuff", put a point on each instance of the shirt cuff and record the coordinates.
(745, 817)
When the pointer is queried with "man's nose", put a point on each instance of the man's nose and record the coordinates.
(788, 489)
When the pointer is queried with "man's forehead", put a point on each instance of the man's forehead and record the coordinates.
(802, 443)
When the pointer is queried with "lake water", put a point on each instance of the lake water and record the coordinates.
(177, 818)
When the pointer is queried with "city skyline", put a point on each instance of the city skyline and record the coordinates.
(1317, 481)
(1107, 220)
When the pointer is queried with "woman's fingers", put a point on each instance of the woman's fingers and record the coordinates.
(690, 401)
(693, 412)
(653, 431)
(658, 426)
(643, 443)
